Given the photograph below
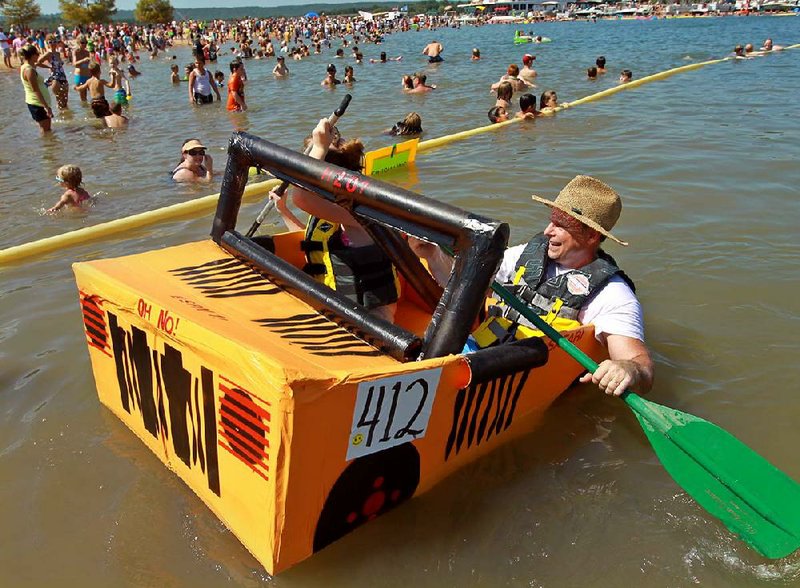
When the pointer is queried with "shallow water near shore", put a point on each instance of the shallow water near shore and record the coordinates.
(706, 163)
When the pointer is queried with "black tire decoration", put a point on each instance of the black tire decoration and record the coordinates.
(367, 488)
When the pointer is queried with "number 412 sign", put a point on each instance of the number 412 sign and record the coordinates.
(392, 411)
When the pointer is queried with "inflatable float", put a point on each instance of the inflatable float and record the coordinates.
(294, 414)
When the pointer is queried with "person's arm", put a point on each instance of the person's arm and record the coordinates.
(289, 219)
(629, 366)
(83, 86)
(316, 205)
(191, 87)
(214, 87)
(79, 62)
(44, 60)
(184, 175)
(65, 199)
(112, 84)
(208, 161)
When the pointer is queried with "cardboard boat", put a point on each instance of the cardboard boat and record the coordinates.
(294, 414)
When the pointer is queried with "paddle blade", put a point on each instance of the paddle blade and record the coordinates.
(753, 498)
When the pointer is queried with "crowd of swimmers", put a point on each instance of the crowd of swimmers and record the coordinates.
(117, 48)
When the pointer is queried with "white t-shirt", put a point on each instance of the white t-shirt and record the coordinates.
(614, 310)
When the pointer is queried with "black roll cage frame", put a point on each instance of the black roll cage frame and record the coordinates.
(384, 210)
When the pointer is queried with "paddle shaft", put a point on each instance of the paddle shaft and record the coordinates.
(332, 119)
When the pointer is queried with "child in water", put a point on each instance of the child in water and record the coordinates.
(97, 86)
(174, 77)
(411, 125)
(70, 177)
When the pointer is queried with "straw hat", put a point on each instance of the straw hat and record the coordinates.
(590, 201)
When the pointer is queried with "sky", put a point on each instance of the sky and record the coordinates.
(51, 6)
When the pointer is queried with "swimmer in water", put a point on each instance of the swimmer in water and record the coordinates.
(591, 73)
(433, 50)
(625, 76)
(280, 70)
(600, 62)
(421, 84)
(175, 78)
(548, 102)
(116, 120)
(769, 46)
(497, 114)
(71, 177)
(330, 80)
(96, 86)
(527, 73)
(195, 165)
(476, 54)
(505, 91)
(411, 125)
(527, 107)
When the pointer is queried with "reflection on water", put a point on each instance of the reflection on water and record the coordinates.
(706, 162)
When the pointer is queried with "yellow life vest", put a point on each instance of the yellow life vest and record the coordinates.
(364, 274)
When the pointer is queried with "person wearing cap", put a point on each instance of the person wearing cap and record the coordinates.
(280, 70)
(527, 73)
(195, 166)
(565, 276)
(330, 77)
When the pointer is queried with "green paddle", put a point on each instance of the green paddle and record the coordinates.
(754, 499)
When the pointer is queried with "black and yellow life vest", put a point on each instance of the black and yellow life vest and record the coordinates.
(558, 300)
(364, 274)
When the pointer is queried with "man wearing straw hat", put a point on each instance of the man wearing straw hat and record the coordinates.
(564, 276)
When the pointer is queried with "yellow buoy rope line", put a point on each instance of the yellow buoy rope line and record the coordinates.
(103, 230)
(252, 191)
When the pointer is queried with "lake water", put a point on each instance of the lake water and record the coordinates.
(707, 165)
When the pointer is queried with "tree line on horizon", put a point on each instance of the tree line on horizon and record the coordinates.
(27, 13)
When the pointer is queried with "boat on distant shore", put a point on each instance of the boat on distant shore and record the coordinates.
(291, 411)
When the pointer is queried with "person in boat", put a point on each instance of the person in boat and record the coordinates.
(196, 166)
(564, 273)
(527, 73)
(433, 50)
(339, 251)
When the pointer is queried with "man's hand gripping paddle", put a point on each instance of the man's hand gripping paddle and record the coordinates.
(753, 498)
(333, 118)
